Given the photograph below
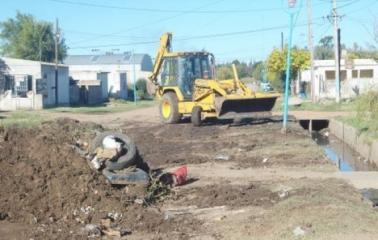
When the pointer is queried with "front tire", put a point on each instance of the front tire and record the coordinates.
(196, 116)
(168, 108)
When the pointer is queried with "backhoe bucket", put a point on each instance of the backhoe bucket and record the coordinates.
(244, 107)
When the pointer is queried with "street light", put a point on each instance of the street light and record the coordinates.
(292, 11)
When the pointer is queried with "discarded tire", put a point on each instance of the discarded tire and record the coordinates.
(124, 161)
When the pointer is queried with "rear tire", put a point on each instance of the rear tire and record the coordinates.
(196, 116)
(168, 108)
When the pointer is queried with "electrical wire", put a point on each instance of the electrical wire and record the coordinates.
(150, 23)
(217, 35)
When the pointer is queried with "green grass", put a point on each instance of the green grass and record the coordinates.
(21, 119)
(326, 106)
(367, 127)
(366, 107)
(113, 106)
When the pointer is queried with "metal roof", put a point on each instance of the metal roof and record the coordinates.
(124, 58)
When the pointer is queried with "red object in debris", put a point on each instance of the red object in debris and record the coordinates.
(180, 175)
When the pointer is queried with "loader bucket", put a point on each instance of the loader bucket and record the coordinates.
(244, 107)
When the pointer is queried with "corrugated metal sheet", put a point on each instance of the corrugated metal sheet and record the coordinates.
(125, 58)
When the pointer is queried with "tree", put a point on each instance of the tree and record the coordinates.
(324, 50)
(258, 71)
(27, 38)
(224, 72)
(300, 60)
(359, 52)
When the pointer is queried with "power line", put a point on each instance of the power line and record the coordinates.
(150, 23)
(226, 34)
(86, 4)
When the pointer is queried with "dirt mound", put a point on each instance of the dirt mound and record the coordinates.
(46, 185)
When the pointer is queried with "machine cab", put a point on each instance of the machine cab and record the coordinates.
(183, 69)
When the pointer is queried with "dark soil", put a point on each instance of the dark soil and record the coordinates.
(48, 187)
(247, 144)
(231, 196)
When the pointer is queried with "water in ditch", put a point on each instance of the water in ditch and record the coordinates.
(346, 159)
(341, 154)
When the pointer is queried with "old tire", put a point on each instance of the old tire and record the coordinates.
(124, 161)
(168, 108)
(196, 116)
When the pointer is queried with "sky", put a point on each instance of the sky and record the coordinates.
(247, 30)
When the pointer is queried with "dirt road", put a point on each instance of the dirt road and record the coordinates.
(245, 182)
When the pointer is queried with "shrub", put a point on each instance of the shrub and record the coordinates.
(367, 108)
(141, 87)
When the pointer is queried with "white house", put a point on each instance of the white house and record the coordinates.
(356, 76)
(116, 70)
(29, 84)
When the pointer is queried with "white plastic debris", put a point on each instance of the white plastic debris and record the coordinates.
(222, 157)
(92, 230)
(265, 160)
(109, 142)
(299, 232)
(96, 163)
(283, 194)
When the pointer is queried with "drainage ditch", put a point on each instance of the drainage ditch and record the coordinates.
(340, 153)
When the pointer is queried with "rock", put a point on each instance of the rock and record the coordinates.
(299, 232)
(139, 201)
(92, 230)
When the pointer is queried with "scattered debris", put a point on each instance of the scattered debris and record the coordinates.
(3, 216)
(109, 230)
(92, 230)
(283, 194)
(299, 232)
(180, 175)
(223, 157)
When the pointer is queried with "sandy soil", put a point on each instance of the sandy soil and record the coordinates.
(245, 182)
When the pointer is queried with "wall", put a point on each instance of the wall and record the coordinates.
(9, 103)
(360, 143)
(327, 88)
(43, 77)
(89, 72)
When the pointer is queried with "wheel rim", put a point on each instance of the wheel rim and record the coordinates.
(166, 109)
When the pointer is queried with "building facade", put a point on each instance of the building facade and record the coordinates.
(356, 76)
(116, 71)
(32, 85)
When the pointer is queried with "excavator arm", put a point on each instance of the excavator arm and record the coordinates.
(165, 47)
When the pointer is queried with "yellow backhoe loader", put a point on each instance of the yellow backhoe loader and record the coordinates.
(187, 87)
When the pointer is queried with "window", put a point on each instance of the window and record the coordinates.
(354, 73)
(330, 75)
(366, 73)
(169, 74)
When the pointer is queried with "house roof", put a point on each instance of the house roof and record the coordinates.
(124, 58)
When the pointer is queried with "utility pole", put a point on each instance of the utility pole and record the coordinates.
(134, 79)
(282, 41)
(311, 49)
(57, 36)
(336, 46)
